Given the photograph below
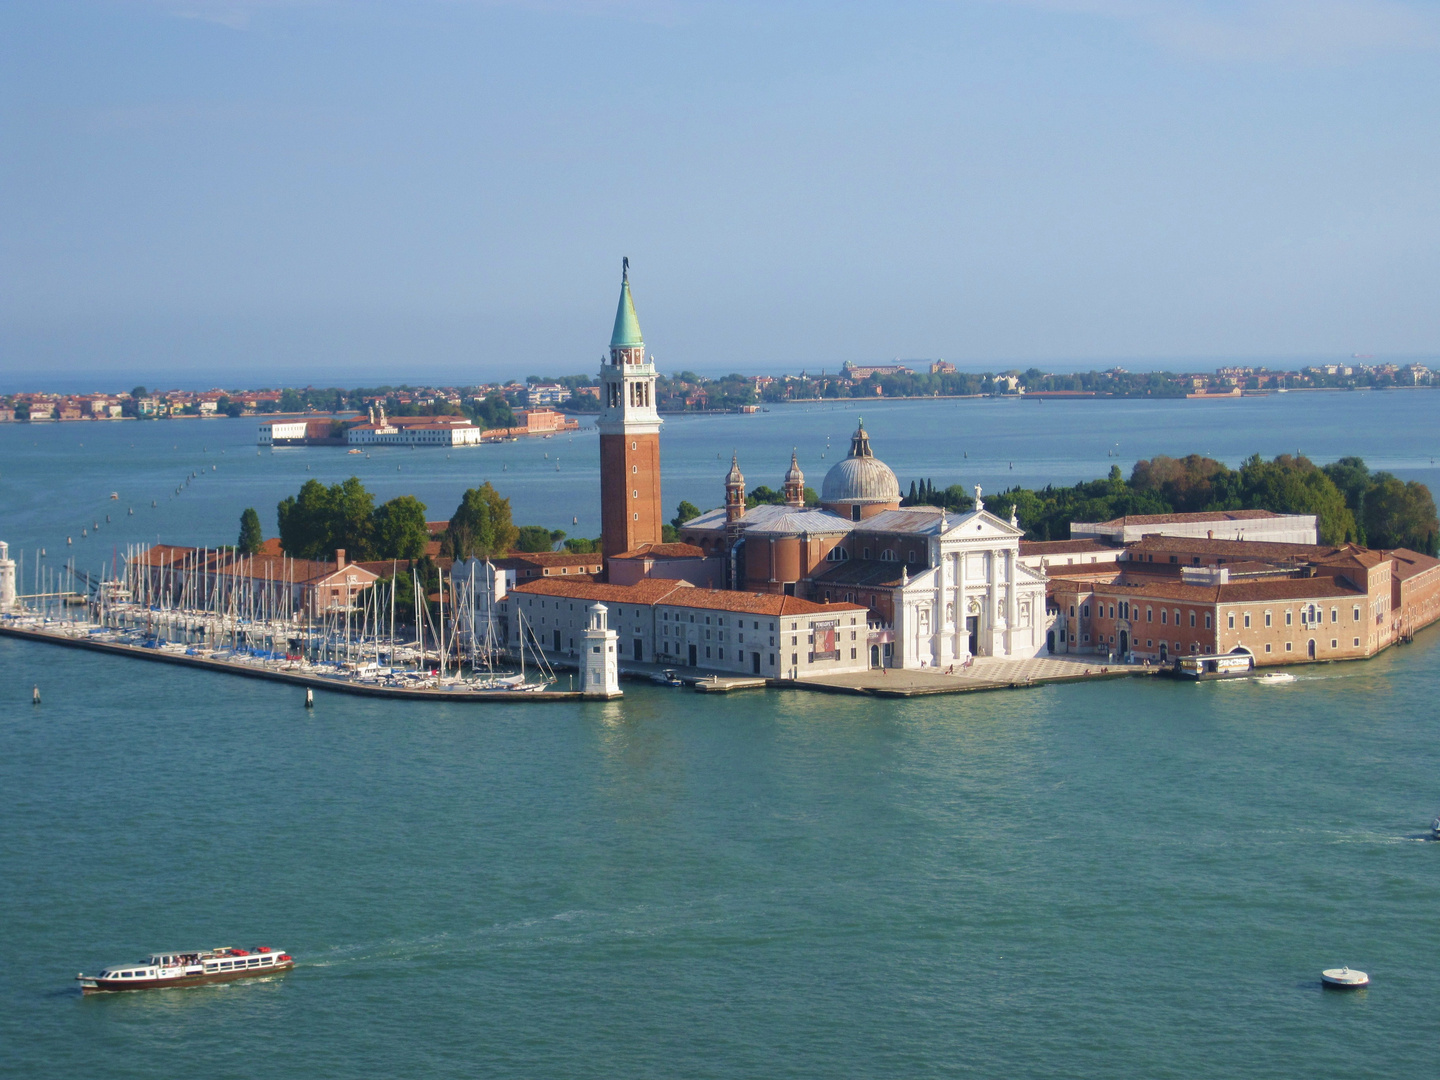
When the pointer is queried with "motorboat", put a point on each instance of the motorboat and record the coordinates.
(667, 678)
(1435, 828)
(1275, 678)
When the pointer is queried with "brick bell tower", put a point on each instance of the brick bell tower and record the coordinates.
(630, 513)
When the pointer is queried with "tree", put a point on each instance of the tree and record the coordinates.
(353, 522)
(138, 393)
(686, 511)
(291, 401)
(579, 545)
(305, 520)
(481, 526)
(1352, 477)
(1293, 485)
(399, 530)
(1400, 514)
(322, 519)
(251, 536)
(535, 538)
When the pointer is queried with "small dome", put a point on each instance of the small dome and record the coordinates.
(860, 478)
(793, 475)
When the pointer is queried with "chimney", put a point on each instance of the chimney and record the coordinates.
(339, 558)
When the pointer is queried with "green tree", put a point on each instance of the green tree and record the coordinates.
(291, 401)
(251, 536)
(1400, 514)
(320, 519)
(1352, 477)
(353, 524)
(481, 526)
(535, 538)
(1293, 485)
(138, 393)
(304, 520)
(399, 529)
(686, 511)
(579, 545)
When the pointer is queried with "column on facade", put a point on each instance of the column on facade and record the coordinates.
(1012, 606)
(961, 646)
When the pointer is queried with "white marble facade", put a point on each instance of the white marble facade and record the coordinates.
(976, 598)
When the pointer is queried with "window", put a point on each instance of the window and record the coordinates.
(866, 551)
(1334, 644)
(1357, 643)
(1163, 613)
(1289, 646)
(1230, 621)
(1087, 637)
(1267, 646)
(1192, 618)
(1356, 617)
(852, 654)
(1247, 620)
(1334, 614)
(1207, 620)
(794, 659)
(1112, 611)
(1085, 613)
(1149, 614)
(1072, 611)
(1289, 617)
(1267, 618)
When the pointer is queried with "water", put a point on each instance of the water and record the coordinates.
(1126, 879)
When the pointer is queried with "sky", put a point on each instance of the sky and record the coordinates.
(257, 192)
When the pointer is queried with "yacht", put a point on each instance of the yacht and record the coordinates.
(195, 968)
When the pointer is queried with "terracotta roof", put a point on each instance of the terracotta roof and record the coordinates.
(755, 603)
(1063, 547)
(864, 572)
(1209, 515)
(662, 551)
(547, 558)
(1255, 549)
(1408, 564)
(680, 594)
(649, 591)
(1241, 592)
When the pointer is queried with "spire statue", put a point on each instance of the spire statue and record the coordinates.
(979, 503)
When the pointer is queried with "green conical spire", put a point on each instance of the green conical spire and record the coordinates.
(627, 326)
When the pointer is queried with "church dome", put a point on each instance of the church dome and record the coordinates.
(861, 478)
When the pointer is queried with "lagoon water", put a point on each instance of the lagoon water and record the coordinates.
(1128, 879)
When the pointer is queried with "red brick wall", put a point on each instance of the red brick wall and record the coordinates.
(629, 519)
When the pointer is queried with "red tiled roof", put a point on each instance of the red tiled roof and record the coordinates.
(680, 594)
(663, 551)
(1408, 564)
(1177, 519)
(1063, 547)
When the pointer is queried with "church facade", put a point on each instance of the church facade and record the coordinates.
(940, 587)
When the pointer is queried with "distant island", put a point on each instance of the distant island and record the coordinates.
(492, 405)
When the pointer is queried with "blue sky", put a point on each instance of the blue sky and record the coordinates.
(243, 191)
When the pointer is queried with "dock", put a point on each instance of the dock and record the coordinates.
(296, 678)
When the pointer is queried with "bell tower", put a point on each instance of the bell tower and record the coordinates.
(734, 491)
(630, 512)
(795, 484)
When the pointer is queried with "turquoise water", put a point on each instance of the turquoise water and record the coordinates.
(1127, 879)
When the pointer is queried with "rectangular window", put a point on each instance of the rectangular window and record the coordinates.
(1085, 611)
(1230, 621)
(1289, 646)
(1357, 643)
(1192, 618)
(1247, 620)
(794, 659)
(1289, 616)
(1267, 646)
(1267, 618)
(1334, 644)
(1149, 615)
(1163, 614)
(1334, 614)
(1356, 617)
(852, 654)
(1207, 620)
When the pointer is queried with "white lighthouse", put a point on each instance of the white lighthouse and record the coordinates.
(600, 673)
(7, 579)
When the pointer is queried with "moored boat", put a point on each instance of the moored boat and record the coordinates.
(196, 968)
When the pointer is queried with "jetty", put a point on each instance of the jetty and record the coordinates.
(79, 636)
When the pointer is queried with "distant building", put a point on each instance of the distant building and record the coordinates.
(413, 431)
(942, 367)
(547, 394)
(857, 372)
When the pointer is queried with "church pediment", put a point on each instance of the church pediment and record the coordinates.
(980, 527)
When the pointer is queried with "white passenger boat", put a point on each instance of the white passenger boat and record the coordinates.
(1276, 678)
(196, 968)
